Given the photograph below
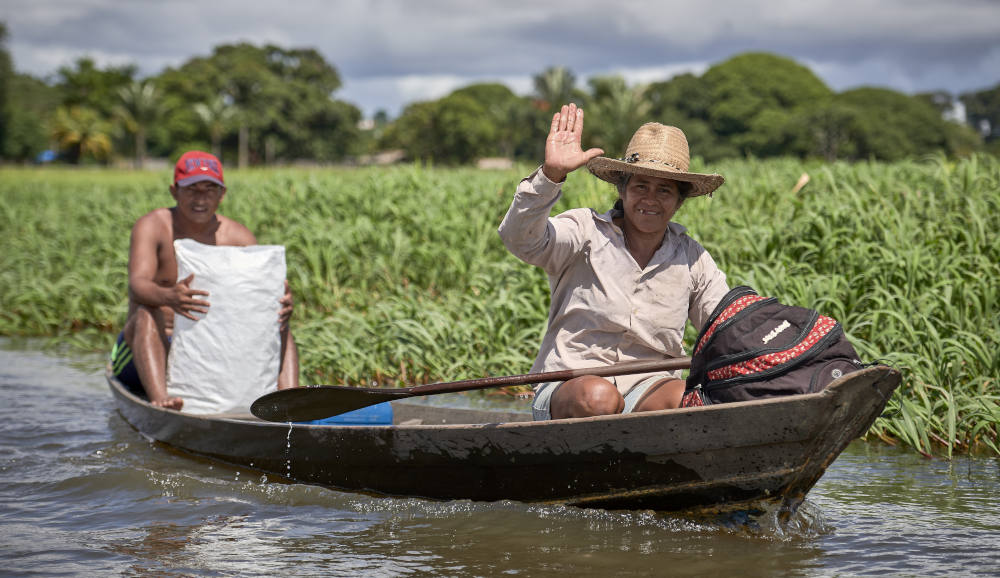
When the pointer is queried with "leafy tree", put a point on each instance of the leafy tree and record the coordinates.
(891, 125)
(465, 130)
(683, 96)
(454, 129)
(982, 108)
(139, 108)
(328, 132)
(826, 130)
(476, 121)
(682, 101)
(413, 130)
(6, 79)
(85, 85)
(489, 94)
(771, 132)
(31, 104)
(703, 142)
(962, 140)
(746, 86)
(525, 128)
(504, 111)
(282, 98)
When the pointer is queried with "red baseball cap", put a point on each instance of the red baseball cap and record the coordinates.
(197, 166)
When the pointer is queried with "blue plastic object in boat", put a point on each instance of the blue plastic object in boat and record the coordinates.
(378, 414)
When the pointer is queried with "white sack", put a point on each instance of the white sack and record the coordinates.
(232, 355)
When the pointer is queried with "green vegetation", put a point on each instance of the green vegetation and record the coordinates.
(400, 277)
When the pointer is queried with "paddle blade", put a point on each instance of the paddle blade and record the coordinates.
(319, 402)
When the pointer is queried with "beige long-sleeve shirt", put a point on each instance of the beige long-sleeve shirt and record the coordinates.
(605, 309)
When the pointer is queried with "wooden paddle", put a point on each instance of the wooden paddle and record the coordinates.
(322, 401)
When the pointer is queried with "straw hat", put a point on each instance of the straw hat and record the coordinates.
(658, 151)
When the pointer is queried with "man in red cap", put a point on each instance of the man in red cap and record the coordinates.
(139, 358)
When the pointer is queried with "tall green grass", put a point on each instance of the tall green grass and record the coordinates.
(400, 277)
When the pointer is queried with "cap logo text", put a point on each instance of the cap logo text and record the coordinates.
(203, 164)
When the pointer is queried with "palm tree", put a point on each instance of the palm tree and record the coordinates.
(554, 87)
(615, 111)
(140, 107)
(216, 115)
(83, 132)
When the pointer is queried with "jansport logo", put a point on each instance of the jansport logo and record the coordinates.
(774, 332)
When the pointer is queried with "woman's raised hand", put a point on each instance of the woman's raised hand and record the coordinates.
(563, 150)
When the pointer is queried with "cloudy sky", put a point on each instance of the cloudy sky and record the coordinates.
(392, 52)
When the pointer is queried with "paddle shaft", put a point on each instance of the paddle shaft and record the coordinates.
(308, 403)
(561, 375)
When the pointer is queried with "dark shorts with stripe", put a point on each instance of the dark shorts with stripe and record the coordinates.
(124, 369)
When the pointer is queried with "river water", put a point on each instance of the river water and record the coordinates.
(81, 493)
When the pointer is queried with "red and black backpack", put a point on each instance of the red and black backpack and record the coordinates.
(754, 347)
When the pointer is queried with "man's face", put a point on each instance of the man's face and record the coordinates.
(199, 201)
(650, 202)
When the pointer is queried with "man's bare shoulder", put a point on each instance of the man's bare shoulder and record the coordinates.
(232, 232)
(157, 221)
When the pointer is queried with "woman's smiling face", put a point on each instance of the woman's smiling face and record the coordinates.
(650, 202)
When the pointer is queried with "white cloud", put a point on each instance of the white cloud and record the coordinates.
(928, 76)
(648, 74)
(51, 58)
(391, 93)
(390, 52)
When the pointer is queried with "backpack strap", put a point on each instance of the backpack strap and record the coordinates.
(726, 314)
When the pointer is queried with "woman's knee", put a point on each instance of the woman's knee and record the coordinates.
(666, 394)
(586, 396)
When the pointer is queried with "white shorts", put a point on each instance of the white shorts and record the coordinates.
(543, 395)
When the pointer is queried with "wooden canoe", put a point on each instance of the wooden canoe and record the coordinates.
(714, 458)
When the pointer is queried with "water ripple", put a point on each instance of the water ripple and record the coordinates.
(82, 493)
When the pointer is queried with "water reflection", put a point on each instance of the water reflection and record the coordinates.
(162, 541)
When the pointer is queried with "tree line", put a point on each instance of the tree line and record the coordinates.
(262, 105)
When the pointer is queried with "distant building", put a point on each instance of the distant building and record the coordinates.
(956, 113)
(985, 129)
(494, 163)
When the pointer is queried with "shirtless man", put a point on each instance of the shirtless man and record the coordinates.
(139, 358)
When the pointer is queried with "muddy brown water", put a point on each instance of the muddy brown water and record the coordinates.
(81, 493)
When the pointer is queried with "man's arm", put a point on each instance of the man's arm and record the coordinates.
(288, 375)
(145, 328)
(143, 265)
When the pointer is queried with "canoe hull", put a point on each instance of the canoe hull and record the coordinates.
(716, 457)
